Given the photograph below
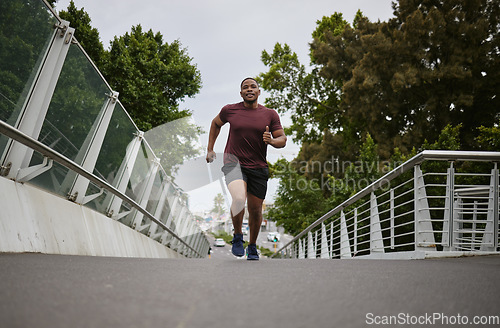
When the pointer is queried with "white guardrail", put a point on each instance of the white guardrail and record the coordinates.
(414, 211)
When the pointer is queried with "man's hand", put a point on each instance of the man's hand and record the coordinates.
(210, 156)
(267, 137)
(277, 139)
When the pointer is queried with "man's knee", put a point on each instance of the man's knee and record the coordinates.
(254, 210)
(238, 202)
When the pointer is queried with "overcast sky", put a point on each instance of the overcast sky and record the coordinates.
(225, 38)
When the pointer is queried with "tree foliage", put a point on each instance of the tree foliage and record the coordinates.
(377, 92)
(21, 52)
(435, 63)
(311, 100)
(151, 76)
(489, 137)
(87, 35)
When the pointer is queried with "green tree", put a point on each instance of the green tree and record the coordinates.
(21, 52)
(311, 99)
(489, 137)
(87, 36)
(435, 63)
(152, 81)
(151, 76)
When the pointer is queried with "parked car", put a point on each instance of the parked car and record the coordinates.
(219, 242)
(273, 236)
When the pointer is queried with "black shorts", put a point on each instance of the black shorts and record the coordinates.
(256, 179)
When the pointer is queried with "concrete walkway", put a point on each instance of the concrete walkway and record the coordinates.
(76, 291)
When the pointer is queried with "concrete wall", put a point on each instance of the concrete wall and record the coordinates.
(32, 220)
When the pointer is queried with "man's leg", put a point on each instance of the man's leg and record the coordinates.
(254, 222)
(238, 191)
(254, 217)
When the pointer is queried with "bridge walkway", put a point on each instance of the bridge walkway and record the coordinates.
(78, 291)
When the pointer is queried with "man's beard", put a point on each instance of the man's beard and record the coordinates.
(251, 102)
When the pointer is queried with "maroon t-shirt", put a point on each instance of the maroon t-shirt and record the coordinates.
(247, 127)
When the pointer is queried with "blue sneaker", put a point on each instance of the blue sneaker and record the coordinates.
(238, 249)
(252, 253)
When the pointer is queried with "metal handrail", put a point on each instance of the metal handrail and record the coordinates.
(48, 152)
(437, 155)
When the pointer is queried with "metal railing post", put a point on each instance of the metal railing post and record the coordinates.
(325, 254)
(159, 208)
(345, 248)
(496, 207)
(123, 176)
(331, 240)
(424, 236)
(179, 228)
(173, 202)
(376, 241)
(490, 236)
(89, 152)
(190, 233)
(144, 194)
(301, 250)
(355, 250)
(391, 213)
(449, 212)
(311, 251)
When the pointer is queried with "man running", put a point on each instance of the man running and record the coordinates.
(252, 128)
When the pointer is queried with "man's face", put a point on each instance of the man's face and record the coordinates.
(250, 91)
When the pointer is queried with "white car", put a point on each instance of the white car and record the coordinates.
(273, 236)
(219, 242)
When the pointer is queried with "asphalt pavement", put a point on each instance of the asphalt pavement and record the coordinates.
(77, 291)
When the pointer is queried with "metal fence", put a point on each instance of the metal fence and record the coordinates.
(64, 129)
(435, 203)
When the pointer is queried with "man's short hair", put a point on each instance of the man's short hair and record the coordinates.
(249, 78)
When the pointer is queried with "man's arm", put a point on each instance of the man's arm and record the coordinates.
(277, 138)
(212, 137)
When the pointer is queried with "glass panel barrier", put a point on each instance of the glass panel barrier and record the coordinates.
(153, 200)
(26, 31)
(156, 192)
(176, 224)
(167, 204)
(121, 132)
(72, 116)
(138, 177)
